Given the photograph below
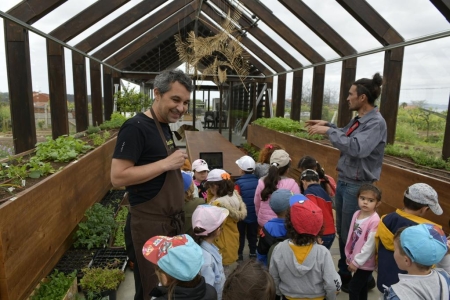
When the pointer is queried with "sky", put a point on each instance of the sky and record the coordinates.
(426, 66)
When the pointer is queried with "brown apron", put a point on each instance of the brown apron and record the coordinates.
(162, 215)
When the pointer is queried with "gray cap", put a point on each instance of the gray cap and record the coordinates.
(279, 201)
(424, 194)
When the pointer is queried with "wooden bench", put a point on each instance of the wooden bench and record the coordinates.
(213, 141)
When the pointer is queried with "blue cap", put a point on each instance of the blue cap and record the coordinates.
(279, 201)
(178, 256)
(425, 244)
(187, 180)
(297, 198)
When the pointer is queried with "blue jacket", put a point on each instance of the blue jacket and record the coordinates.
(273, 231)
(247, 184)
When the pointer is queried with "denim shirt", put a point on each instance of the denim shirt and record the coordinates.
(212, 268)
(363, 150)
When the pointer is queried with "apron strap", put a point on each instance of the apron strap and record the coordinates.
(158, 125)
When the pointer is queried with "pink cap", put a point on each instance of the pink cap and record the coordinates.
(209, 218)
(200, 165)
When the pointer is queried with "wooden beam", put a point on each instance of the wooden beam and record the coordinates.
(446, 144)
(372, 21)
(443, 6)
(133, 33)
(108, 93)
(261, 36)
(296, 101)
(281, 95)
(390, 94)
(269, 90)
(118, 24)
(20, 89)
(131, 75)
(80, 91)
(253, 97)
(319, 26)
(249, 44)
(347, 79)
(318, 85)
(96, 93)
(57, 89)
(86, 19)
(283, 30)
(30, 11)
(145, 43)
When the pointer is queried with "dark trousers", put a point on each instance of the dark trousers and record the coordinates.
(252, 231)
(357, 288)
(139, 291)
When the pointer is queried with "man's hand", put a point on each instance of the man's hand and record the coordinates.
(310, 123)
(318, 129)
(175, 160)
(352, 268)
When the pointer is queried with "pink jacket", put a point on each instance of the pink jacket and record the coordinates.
(365, 258)
(263, 210)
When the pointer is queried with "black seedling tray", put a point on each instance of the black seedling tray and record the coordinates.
(75, 259)
(113, 199)
(110, 258)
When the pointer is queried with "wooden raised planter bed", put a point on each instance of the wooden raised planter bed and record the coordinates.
(37, 226)
(393, 182)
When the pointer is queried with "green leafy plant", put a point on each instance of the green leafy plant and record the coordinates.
(55, 286)
(96, 229)
(128, 100)
(62, 149)
(121, 218)
(96, 280)
(279, 124)
(252, 151)
(97, 139)
(92, 129)
(117, 119)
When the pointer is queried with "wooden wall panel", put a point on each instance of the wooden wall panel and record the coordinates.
(296, 101)
(281, 95)
(347, 78)
(80, 91)
(318, 86)
(108, 92)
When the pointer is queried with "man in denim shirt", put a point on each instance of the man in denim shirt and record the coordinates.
(362, 144)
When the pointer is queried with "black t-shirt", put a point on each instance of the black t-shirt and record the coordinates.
(140, 142)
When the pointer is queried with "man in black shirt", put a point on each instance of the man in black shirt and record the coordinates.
(146, 161)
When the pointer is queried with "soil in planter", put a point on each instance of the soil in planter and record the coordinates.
(75, 259)
(110, 258)
(113, 199)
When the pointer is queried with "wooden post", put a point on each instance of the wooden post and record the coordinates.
(281, 95)
(317, 92)
(108, 93)
(347, 78)
(446, 145)
(96, 93)
(80, 91)
(194, 104)
(296, 101)
(230, 110)
(18, 69)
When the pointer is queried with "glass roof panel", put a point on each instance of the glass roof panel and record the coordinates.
(300, 29)
(344, 24)
(418, 18)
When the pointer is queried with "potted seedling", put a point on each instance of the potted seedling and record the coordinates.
(57, 286)
(101, 282)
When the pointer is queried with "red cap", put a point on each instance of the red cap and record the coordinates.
(306, 217)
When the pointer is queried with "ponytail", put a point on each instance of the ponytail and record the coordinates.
(272, 179)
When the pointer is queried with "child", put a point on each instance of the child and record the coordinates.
(200, 169)
(310, 186)
(417, 200)
(417, 248)
(360, 246)
(177, 262)
(327, 182)
(275, 179)
(207, 223)
(262, 166)
(274, 230)
(221, 187)
(246, 186)
(299, 266)
(250, 281)
(190, 202)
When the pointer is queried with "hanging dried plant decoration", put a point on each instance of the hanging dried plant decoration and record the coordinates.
(223, 48)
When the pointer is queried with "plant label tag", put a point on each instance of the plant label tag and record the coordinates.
(75, 161)
(24, 182)
(11, 189)
(13, 198)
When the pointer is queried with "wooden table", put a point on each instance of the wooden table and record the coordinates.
(213, 141)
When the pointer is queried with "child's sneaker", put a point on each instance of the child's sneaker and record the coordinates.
(252, 255)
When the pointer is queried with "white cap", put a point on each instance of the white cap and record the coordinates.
(424, 194)
(246, 163)
(217, 175)
(200, 165)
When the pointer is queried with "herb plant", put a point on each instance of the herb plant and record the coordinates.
(116, 121)
(96, 280)
(56, 287)
(97, 228)
(63, 149)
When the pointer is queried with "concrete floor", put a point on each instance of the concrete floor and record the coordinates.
(126, 289)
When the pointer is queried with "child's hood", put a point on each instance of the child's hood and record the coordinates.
(234, 204)
(300, 269)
